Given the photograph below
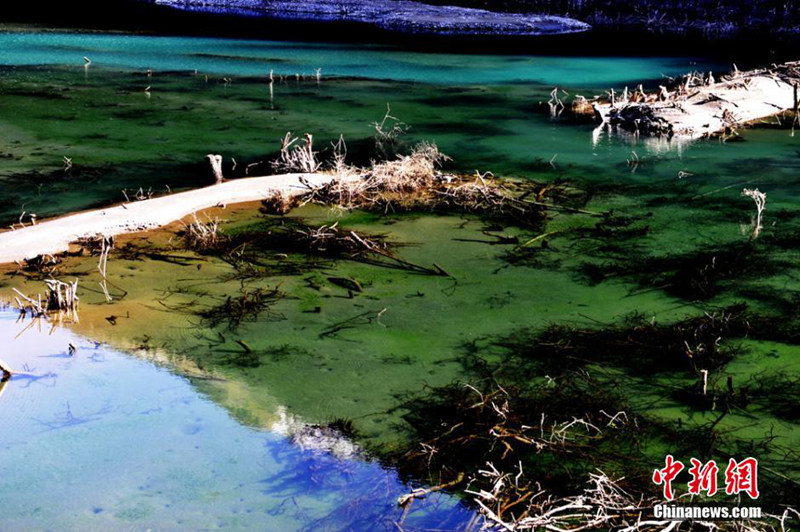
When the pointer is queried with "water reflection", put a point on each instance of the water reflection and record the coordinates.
(100, 439)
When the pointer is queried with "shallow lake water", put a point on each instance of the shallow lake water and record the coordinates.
(487, 113)
(101, 440)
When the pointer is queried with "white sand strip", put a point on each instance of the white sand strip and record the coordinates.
(54, 236)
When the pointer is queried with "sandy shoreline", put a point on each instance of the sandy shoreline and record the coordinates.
(54, 236)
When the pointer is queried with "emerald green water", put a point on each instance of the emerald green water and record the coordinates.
(487, 113)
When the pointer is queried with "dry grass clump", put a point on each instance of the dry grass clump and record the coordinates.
(410, 173)
(201, 235)
(403, 183)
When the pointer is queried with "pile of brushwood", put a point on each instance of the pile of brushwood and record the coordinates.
(521, 453)
(399, 181)
(282, 245)
(414, 182)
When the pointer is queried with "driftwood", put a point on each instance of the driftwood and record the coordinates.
(696, 105)
(215, 166)
(59, 297)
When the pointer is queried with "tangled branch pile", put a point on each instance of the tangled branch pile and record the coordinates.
(516, 454)
(640, 119)
(788, 72)
(535, 458)
(328, 241)
(41, 266)
(602, 505)
(416, 182)
(697, 106)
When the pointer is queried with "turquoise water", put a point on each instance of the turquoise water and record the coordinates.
(104, 441)
(256, 58)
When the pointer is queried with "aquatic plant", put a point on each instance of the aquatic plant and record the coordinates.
(775, 392)
(458, 428)
(565, 452)
(249, 305)
(699, 274)
(290, 236)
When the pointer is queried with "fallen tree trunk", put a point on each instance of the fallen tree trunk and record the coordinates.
(54, 236)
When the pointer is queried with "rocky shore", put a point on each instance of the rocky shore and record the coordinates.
(404, 16)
